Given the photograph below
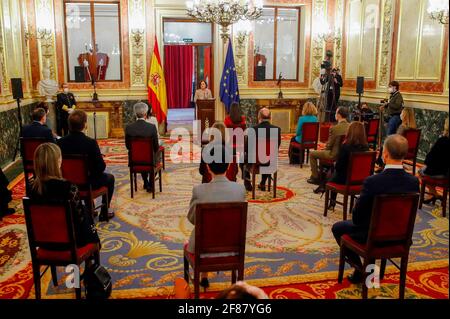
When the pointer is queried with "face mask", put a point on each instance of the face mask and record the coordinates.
(66, 90)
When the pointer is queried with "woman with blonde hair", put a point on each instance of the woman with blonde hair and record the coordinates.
(437, 162)
(50, 186)
(408, 119)
(309, 115)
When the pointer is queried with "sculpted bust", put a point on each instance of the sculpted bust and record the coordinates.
(47, 87)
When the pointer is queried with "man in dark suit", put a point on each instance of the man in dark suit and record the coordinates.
(141, 128)
(65, 104)
(38, 128)
(392, 180)
(259, 134)
(76, 142)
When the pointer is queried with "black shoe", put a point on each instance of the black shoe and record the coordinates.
(319, 190)
(149, 189)
(355, 278)
(314, 181)
(431, 200)
(146, 185)
(262, 187)
(102, 217)
(248, 185)
(8, 211)
(204, 283)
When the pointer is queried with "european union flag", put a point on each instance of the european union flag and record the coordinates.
(229, 91)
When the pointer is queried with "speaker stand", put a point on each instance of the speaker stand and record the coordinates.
(95, 126)
(19, 118)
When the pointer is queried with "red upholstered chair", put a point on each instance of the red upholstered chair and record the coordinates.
(310, 137)
(361, 166)
(436, 182)
(220, 228)
(52, 241)
(141, 160)
(390, 236)
(372, 129)
(255, 168)
(413, 137)
(325, 131)
(75, 168)
(28, 146)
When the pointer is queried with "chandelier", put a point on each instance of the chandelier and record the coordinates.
(224, 12)
(438, 10)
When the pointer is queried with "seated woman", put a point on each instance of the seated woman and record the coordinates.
(437, 162)
(235, 119)
(309, 115)
(408, 120)
(5, 196)
(355, 141)
(49, 186)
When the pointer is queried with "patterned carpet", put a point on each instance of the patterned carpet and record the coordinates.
(289, 242)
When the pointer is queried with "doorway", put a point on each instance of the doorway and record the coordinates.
(188, 59)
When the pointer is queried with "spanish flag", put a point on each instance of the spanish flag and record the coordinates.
(157, 95)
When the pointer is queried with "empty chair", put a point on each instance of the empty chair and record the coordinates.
(373, 126)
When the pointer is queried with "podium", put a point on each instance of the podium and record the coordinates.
(206, 112)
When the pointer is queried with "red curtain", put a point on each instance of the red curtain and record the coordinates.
(178, 69)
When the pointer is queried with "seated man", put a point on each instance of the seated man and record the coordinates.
(38, 128)
(392, 180)
(220, 189)
(76, 142)
(141, 128)
(5, 196)
(332, 148)
(262, 132)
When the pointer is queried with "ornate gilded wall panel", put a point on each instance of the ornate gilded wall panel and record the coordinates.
(338, 24)
(386, 43)
(4, 83)
(138, 65)
(319, 13)
(240, 53)
(45, 33)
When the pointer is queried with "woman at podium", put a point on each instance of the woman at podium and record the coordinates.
(203, 93)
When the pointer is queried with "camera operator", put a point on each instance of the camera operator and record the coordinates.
(332, 81)
(394, 107)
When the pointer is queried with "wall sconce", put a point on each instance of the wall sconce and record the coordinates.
(44, 26)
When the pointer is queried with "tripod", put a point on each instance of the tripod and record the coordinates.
(19, 118)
